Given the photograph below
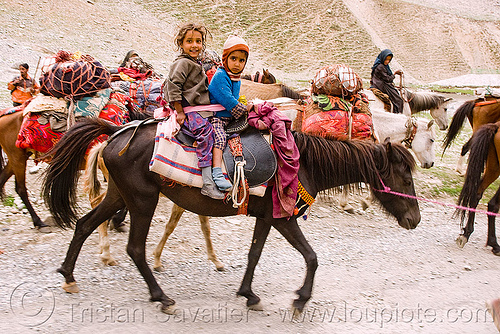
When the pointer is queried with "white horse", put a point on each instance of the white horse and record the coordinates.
(414, 102)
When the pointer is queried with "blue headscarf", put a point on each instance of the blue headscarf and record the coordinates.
(380, 60)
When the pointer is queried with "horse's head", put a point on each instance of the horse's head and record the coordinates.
(423, 143)
(395, 165)
(267, 77)
(440, 114)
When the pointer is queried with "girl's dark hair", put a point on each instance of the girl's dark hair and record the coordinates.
(26, 66)
(188, 27)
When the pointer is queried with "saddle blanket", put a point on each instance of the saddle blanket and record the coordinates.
(179, 163)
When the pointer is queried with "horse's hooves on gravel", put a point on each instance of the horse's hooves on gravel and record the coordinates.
(461, 241)
(70, 287)
(44, 229)
(496, 253)
(364, 205)
(159, 269)
(109, 261)
(170, 309)
(256, 307)
(349, 209)
(219, 266)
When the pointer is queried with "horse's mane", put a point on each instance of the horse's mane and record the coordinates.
(424, 100)
(330, 159)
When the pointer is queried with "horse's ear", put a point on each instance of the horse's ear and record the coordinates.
(392, 154)
(430, 124)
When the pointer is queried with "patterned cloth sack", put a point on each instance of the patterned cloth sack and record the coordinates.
(338, 80)
(74, 76)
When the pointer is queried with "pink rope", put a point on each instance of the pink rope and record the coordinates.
(389, 191)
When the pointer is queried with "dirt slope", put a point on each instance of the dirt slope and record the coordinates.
(431, 40)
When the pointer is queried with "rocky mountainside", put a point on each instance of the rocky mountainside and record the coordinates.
(431, 40)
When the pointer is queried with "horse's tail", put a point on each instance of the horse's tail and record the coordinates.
(61, 178)
(480, 145)
(457, 122)
(91, 183)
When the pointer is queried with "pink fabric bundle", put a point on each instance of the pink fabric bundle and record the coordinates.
(287, 154)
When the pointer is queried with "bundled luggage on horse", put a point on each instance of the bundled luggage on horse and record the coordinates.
(336, 108)
(74, 76)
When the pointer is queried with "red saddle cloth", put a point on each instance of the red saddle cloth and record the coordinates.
(335, 123)
(41, 138)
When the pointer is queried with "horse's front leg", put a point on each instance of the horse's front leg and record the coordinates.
(493, 206)
(19, 172)
(175, 216)
(205, 228)
(260, 233)
(105, 253)
(291, 231)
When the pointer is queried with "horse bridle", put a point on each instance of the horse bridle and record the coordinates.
(411, 130)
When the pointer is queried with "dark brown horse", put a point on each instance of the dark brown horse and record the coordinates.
(478, 112)
(265, 77)
(484, 151)
(324, 164)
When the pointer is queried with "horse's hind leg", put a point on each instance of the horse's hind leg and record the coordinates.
(142, 207)
(205, 228)
(84, 227)
(469, 228)
(104, 245)
(260, 233)
(291, 231)
(493, 206)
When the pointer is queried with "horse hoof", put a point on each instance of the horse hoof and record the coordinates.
(461, 241)
(364, 205)
(219, 266)
(70, 287)
(168, 309)
(256, 307)
(159, 269)
(109, 261)
(296, 313)
(44, 229)
(349, 209)
(497, 253)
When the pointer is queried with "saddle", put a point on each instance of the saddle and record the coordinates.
(260, 160)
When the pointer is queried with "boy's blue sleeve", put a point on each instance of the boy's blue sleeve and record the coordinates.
(221, 91)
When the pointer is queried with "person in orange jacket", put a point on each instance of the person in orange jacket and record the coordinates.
(22, 87)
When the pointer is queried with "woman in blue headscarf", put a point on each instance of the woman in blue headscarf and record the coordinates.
(383, 79)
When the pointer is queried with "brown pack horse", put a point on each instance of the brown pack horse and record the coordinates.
(16, 163)
(324, 164)
(478, 112)
(484, 151)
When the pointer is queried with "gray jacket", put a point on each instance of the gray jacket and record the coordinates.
(186, 82)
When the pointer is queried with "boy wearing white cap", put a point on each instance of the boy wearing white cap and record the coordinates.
(224, 89)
